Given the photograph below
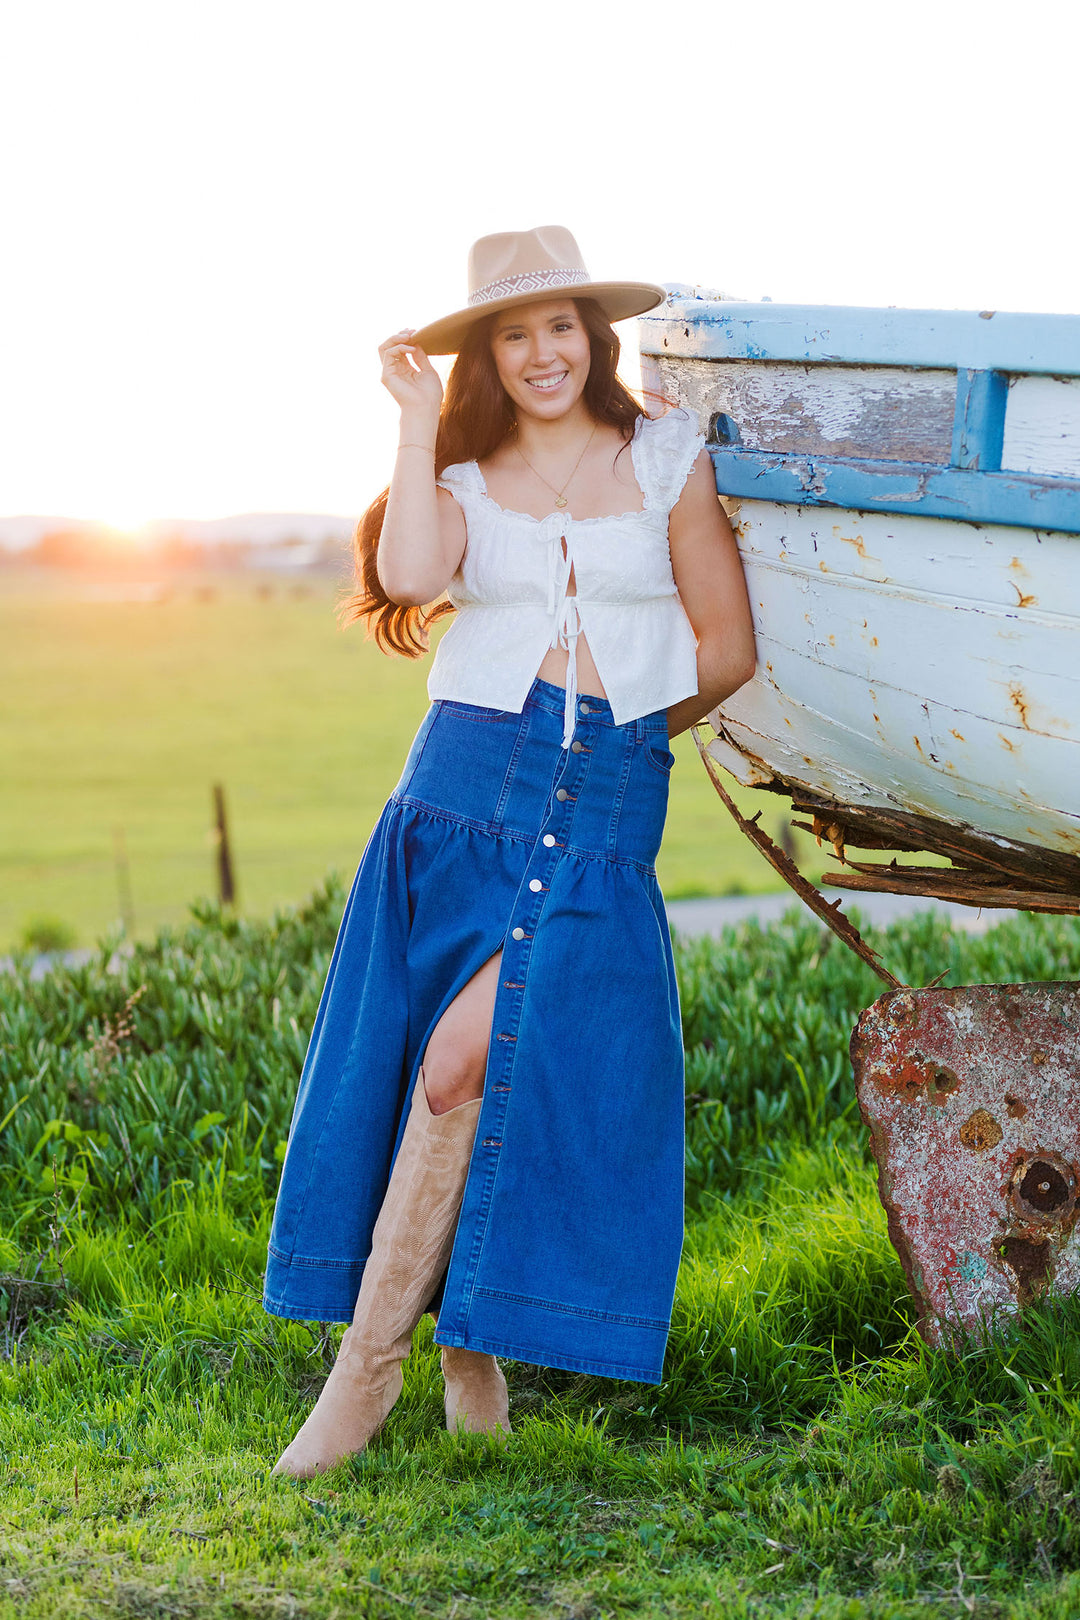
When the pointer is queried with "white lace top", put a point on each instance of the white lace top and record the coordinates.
(511, 596)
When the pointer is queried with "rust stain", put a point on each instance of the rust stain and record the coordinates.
(1022, 600)
(1029, 1261)
(1005, 743)
(953, 732)
(981, 1131)
(1020, 704)
(873, 641)
(918, 745)
(824, 567)
(857, 541)
(1014, 1107)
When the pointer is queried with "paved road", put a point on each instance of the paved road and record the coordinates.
(693, 917)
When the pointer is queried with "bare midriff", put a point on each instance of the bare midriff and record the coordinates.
(553, 666)
(553, 669)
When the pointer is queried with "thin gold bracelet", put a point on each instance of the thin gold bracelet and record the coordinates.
(409, 445)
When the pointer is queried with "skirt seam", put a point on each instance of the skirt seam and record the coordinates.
(574, 1310)
(408, 802)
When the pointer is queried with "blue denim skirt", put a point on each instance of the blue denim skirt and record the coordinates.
(571, 1226)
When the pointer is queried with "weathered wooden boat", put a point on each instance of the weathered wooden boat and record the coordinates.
(907, 485)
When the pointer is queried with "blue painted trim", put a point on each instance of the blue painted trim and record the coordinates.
(979, 423)
(714, 329)
(901, 486)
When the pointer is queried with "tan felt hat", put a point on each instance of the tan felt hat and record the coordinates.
(524, 267)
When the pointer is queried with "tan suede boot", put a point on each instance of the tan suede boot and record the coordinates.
(476, 1398)
(410, 1250)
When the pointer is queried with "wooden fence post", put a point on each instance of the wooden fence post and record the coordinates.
(226, 887)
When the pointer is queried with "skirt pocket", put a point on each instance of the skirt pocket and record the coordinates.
(466, 763)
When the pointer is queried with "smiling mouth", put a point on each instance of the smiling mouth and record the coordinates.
(544, 383)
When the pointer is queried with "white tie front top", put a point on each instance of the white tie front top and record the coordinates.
(512, 601)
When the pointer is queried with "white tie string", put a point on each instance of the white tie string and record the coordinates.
(563, 609)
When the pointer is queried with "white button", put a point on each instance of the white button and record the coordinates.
(562, 795)
(518, 933)
(535, 885)
(549, 840)
(576, 747)
(585, 709)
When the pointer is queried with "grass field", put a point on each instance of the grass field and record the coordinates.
(804, 1456)
(121, 714)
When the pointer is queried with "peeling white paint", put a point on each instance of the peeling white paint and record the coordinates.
(896, 669)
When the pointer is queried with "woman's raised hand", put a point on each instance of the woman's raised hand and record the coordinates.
(409, 375)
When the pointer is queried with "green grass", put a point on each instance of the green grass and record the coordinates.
(805, 1454)
(122, 714)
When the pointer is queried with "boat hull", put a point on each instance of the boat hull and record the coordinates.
(918, 680)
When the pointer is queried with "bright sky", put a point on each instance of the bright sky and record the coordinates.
(212, 211)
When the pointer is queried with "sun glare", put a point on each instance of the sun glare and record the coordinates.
(125, 525)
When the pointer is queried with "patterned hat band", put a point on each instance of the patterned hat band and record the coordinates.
(529, 282)
(526, 267)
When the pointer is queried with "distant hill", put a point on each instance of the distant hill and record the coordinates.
(251, 528)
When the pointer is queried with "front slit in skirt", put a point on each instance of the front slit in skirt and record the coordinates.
(571, 1226)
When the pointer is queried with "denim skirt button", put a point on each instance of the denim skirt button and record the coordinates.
(562, 795)
(549, 840)
(576, 747)
(518, 933)
(535, 885)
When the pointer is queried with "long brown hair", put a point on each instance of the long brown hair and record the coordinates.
(475, 418)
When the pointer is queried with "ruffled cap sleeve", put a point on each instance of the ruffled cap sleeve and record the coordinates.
(463, 482)
(667, 448)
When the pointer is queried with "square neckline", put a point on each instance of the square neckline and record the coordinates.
(604, 517)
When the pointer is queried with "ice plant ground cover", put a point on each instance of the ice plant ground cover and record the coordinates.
(804, 1456)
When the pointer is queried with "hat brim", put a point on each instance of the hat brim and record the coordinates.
(619, 300)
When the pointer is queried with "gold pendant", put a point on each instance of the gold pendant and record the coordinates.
(560, 501)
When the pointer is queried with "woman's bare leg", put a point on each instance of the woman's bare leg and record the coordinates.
(455, 1061)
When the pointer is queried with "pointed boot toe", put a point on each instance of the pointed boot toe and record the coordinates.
(347, 1416)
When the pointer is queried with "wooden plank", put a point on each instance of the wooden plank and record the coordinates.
(882, 412)
(1042, 426)
(988, 340)
(826, 730)
(1025, 571)
(867, 486)
(945, 885)
(979, 424)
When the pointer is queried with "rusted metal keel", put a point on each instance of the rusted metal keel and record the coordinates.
(972, 1099)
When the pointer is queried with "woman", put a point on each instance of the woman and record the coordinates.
(489, 1123)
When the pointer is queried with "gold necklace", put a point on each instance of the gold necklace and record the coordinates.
(560, 496)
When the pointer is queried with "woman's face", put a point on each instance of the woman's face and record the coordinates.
(541, 353)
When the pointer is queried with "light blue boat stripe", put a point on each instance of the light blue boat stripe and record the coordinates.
(1020, 500)
(702, 329)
